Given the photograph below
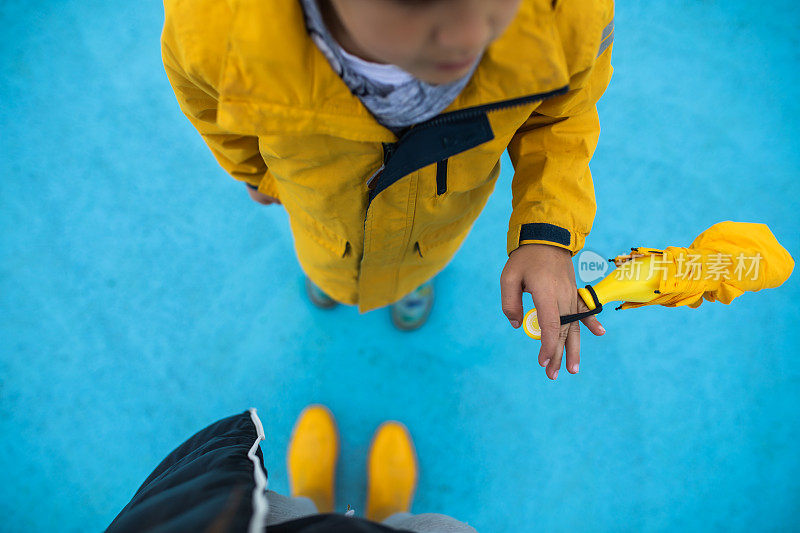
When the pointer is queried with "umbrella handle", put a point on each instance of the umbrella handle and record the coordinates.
(530, 323)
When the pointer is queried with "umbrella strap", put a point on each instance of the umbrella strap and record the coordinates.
(566, 319)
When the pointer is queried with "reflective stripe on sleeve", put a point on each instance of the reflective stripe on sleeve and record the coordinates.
(607, 37)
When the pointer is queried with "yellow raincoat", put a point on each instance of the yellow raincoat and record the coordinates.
(277, 116)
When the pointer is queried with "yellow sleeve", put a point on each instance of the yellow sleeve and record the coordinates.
(553, 194)
(198, 98)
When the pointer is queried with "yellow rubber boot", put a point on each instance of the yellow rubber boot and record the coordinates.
(312, 455)
(391, 472)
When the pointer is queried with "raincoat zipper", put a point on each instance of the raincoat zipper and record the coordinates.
(389, 149)
(484, 108)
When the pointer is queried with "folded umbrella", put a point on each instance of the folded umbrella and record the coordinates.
(722, 263)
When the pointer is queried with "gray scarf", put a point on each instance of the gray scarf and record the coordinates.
(395, 107)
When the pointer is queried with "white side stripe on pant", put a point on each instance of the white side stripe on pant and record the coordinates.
(260, 504)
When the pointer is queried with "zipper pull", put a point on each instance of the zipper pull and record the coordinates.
(388, 150)
(371, 180)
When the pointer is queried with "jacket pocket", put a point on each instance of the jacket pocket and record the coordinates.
(441, 240)
(321, 235)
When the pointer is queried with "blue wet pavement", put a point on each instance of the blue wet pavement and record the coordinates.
(143, 295)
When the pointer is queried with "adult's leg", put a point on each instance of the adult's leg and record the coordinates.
(283, 508)
(428, 523)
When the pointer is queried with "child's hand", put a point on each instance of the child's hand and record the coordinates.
(262, 198)
(546, 272)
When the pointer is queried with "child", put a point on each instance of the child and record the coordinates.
(379, 125)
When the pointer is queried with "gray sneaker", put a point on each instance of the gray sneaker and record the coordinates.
(412, 311)
(317, 297)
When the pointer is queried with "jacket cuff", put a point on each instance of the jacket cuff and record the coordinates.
(544, 233)
(266, 185)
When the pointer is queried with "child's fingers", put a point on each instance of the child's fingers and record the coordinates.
(262, 198)
(511, 297)
(590, 321)
(553, 333)
(594, 325)
(572, 341)
(573, 346)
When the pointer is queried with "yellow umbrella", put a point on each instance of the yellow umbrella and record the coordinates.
(722, 263)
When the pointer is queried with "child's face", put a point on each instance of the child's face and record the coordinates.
(437, 41)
